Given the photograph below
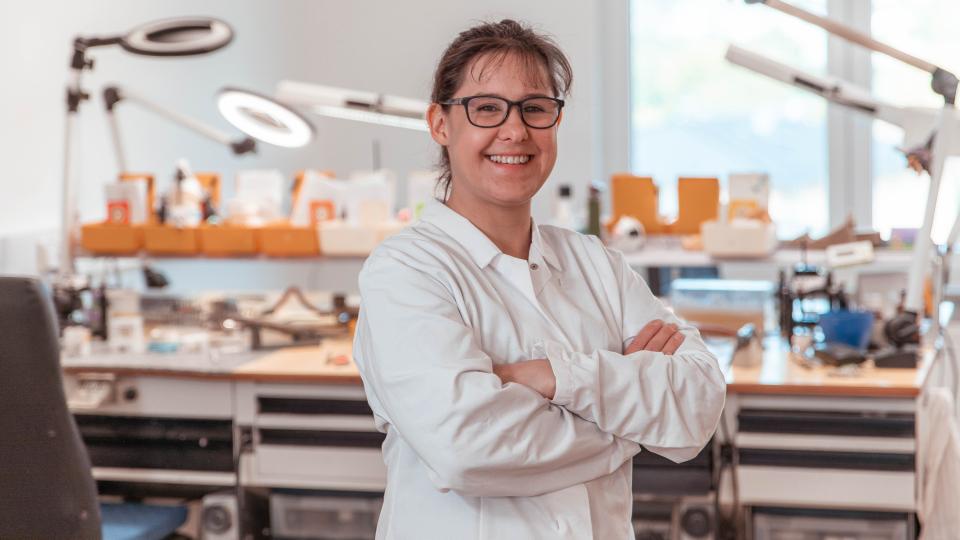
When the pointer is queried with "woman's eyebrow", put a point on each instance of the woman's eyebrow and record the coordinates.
(527, 96)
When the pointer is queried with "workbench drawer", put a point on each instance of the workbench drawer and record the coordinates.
(156, 396)
(316, 467)
(826, 488)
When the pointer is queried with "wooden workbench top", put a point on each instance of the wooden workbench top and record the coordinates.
(782, 373)
(331, 364)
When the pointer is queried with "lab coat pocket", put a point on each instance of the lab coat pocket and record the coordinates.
(560, 514)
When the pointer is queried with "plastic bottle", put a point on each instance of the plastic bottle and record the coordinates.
(563, 209)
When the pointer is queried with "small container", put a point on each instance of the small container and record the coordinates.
(848, 327)
(76, 341)
(111, 239)
(228, 241)
(166, 240)
(285, 240)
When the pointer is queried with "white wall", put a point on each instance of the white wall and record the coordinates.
(377, 45)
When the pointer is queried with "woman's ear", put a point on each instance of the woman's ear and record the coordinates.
(437, 122)
(559, 117)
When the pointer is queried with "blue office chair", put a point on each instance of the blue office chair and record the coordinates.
(46, 486)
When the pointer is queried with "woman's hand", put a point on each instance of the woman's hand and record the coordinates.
(657, 337)
(536, 374)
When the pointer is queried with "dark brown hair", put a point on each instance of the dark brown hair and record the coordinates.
(497, 41)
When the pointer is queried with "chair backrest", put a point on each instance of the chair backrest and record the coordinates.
(46, 486)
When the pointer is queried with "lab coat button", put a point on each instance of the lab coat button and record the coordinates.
(534, 266)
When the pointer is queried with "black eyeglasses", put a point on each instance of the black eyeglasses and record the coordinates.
(492, 111)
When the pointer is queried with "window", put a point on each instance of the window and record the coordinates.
(923, 28)
(695, 114)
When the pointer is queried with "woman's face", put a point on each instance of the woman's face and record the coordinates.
(481, 178)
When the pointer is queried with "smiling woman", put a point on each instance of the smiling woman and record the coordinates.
(516, 368)
(498, 160)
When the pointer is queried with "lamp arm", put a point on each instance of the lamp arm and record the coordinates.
(924, 243)
(946, 140)
(943, 82)
(950, 141)
(113, 95)
(832, 89)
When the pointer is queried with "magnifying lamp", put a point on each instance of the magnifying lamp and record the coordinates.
(183, 36)
(264, 118)
(355, 105)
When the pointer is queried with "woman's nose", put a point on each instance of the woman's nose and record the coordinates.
(513, 129)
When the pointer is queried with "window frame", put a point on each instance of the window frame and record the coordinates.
(849, 133)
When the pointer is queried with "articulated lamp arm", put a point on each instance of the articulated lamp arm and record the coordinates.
(112, 95)
(830, 88)
(942, 81)
(943, 137)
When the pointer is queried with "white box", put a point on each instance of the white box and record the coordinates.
(747, 238)
(125, 334)
(338, 237)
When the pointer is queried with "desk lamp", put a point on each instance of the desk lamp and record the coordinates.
(930, 136)
(183, 36)
(264, 118)
(356, 105)
(260, 118)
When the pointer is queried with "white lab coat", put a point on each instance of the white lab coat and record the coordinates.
(938, 497)
(471, 458)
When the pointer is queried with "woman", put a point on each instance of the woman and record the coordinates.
(515, 368)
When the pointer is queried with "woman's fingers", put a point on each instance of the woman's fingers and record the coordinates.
(657, 336)
(643, 337)
(660, 339)
(673, 343)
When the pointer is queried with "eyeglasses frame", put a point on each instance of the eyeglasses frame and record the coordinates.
(465, 101)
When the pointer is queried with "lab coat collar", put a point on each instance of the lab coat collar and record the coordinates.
(481, 248)
(537, 244)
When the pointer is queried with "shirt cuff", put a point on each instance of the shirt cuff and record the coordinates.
(562, 371)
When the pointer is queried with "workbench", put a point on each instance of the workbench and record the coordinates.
(297, 418)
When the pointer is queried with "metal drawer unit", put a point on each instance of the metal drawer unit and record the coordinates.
(160, 436)
(805, 524)
(296, 514)
(309, 437)
(854, 453)
(675, 500)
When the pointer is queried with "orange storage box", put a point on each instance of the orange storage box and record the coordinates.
(228, 240)
(167, 240)
(285, 240)
(111, 238)
(638, 197)
(698, 201)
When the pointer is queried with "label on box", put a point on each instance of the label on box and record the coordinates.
(118, 212)
(322, 210)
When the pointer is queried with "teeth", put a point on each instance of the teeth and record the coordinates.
(509, 160)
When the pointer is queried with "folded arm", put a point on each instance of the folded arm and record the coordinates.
(433, 384)
(664, 391)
